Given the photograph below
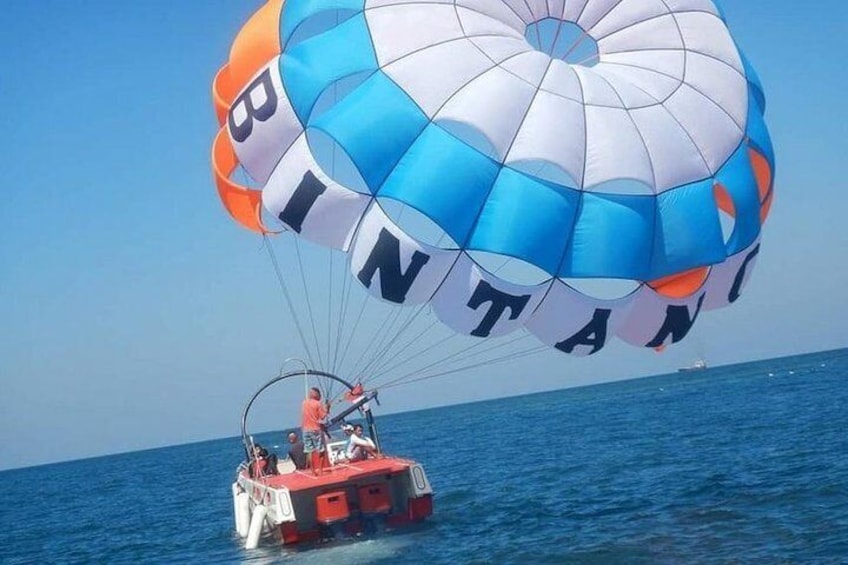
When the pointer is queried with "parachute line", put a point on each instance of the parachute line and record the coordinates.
(308, 302)
(330, 309)
(343, 309)
(444, 360)
(376, 341)
(383, 353)
(473, 352)
(386, 367)
(510, 357)
(286, 294)
(415, 340)
(352, 336)
(386, 342)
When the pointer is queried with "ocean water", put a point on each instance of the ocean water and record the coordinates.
(745, 463)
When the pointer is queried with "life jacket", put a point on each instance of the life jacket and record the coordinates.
(258, 467)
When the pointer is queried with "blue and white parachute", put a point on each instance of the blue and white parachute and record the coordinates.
(583, 140)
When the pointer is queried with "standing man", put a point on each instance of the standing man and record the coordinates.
(313, 415)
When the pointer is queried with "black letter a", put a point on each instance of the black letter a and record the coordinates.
(594, 333)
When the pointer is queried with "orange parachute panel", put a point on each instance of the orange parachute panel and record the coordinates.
(763, 174)
(222, 94)
(680, 285)
(242, 203)
(256, 43)
(723, 200)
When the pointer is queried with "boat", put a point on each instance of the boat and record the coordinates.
(698, 365)
(343, 500)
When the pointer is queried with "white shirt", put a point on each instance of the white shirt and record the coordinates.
(355, 445)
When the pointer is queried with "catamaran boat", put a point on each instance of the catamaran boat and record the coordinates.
(342, 498)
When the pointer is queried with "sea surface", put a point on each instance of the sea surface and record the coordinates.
(738, 464)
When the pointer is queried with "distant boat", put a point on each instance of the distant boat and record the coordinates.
(698, 365)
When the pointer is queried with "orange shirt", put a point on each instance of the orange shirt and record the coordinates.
(312, 414)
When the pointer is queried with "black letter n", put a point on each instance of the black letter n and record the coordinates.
(385, 257)
(677, 324)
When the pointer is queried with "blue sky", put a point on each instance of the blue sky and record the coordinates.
(136, 314)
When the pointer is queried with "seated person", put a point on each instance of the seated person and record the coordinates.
(359, 447)
(296, 453)
(263, 463)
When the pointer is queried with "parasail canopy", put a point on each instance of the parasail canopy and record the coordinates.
(433, 142)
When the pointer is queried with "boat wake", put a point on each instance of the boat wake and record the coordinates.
(340, 552)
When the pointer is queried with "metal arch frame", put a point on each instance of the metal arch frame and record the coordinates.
(306, 371)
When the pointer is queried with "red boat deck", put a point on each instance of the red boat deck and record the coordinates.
(340, 473)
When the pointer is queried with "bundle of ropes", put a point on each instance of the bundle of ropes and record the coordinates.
(344, 330)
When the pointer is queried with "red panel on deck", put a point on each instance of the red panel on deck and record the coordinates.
(332, 507)
(375, 499)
